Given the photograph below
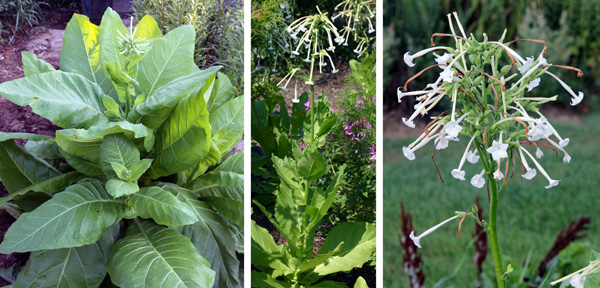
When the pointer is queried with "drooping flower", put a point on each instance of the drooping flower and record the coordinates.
(577, 281)
(443, 60)
(447, 75)
(526, 65)
(534, 83)
(498, 175)
(458, 174)
(478, 180)
(452, 128)
(408, 153)
(417, 239)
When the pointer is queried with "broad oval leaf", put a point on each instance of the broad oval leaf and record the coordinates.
(117, 148)
(80, 52)
(213, 239)
(147, 29)
(266, 253)
(220, 94)
(163, 207)
(19, 135)
(227, 124)
(68, 100)
(49, 186)
(184, 139)
(83, 266)
(32, 65)
(109, 50)
(359, 244)
(158, 106)
(22, 169)
(75, 217)
(170, 57)
(81, 147)
(157, 256)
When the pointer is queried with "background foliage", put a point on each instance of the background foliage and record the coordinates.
(219, 30)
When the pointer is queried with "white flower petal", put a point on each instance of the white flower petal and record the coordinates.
(577, 99)
(529, 174)
(415, 239)
(534, 83)
(408, 59)
(498, 175)
(472, 156)
(447, 75)
(408, 122)
(526, 65)
(552, 183)
(577, 281)
(498, 150)
(458, 174)
(452, 128)
(441, 143)
(539, 153)
(567, 158)
(563, 143)
(408, 153)
(478, 181)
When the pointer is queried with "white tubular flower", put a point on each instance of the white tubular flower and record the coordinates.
(478, 180)
(417, 239)
(296, 100)
(498, 149)
(408, 122)
(540, 130)
(408, 58)
(577, 281)
(538, 152)
(441, 142)
(411, 93)
(551, 181)
(452, 128)
(458, 174)
(408, 153)
(498, 175)
(526, 65)
(443, 60)
(472, 156)
(529, 172)
(534, 83)
(576, 98)
(447, 75)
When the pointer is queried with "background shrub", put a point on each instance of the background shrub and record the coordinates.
(219, 30)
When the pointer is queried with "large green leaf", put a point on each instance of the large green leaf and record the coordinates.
(213, 239)
(147, 29)
(359, 244)
(18, 135)
(220, 94)
(184, 139)
(155, 256)
(80, 52)
(68, 100)
(49, 186)
(312, 165)
(170, 57)
(230, 173)
(163, 207)
(268, 254)
(83, 266)
(81, 147)
(227, 123)
(109, 50)
(20, 168)
(264, 280)
(117, 148)
(159, 105)
(290, 205)
(75, 217)
(32, 65)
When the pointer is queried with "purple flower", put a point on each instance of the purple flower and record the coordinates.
(373, 152)
(348, 129)
(359, 101)
(307, 104)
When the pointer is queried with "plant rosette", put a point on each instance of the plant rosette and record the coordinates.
(149, 193)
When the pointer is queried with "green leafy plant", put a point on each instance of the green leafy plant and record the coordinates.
(140, 183)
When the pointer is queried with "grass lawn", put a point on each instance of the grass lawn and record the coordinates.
(530, 216)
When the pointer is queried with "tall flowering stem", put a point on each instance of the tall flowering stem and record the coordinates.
(489, 106)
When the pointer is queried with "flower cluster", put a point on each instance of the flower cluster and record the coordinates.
(356, 15)
(131, 46)
(489, 105)
(310, 33)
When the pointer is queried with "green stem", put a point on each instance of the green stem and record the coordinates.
(312, 113)
(493, 232)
